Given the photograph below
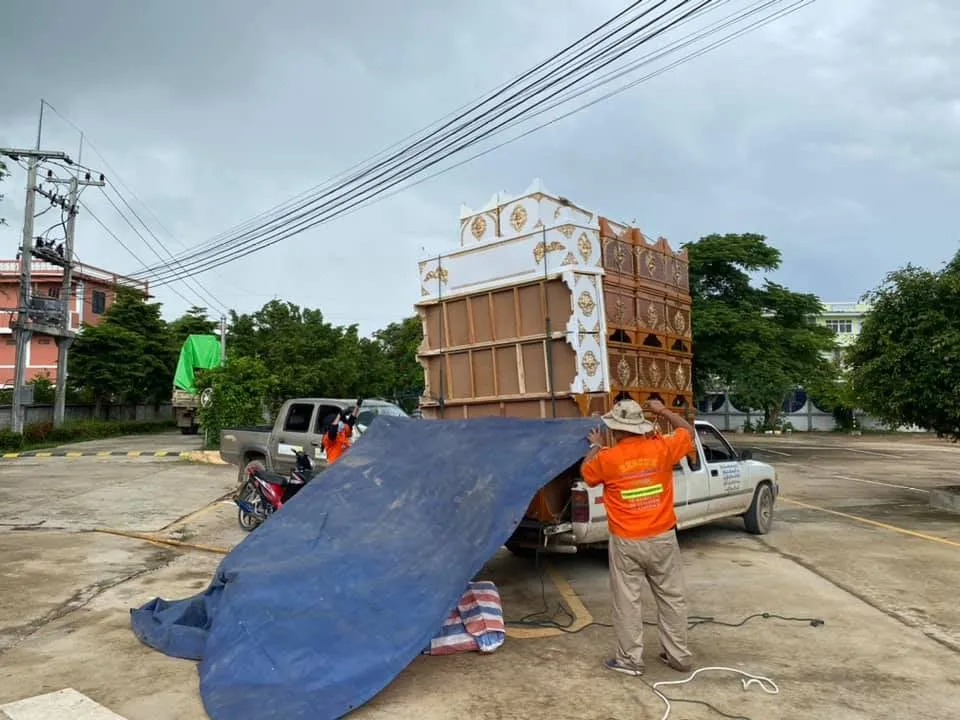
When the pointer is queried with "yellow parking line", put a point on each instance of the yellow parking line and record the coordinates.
(875, 523)
(134, 453)
(11, 456)
(104, 453)
(43, 454)
(581, 616)
(73, 454)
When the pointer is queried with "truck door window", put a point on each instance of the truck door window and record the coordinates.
(715, 447)
(326, 414)
(298, 418)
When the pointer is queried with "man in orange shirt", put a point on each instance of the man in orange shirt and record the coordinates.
(336, 440)
(637, 478)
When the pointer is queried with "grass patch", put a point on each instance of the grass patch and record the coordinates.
(44, 435)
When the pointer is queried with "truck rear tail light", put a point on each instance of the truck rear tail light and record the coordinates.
(579, 506)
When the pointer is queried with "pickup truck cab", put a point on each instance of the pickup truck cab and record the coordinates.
(299, 426)
(712, 483)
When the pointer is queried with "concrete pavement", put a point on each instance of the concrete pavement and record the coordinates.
(882, 575)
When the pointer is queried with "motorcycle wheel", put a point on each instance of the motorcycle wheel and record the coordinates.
(247, 521)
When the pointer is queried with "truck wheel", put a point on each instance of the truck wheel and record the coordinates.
(520, 551)
(189, 429)
(759, 518)
(255, 464)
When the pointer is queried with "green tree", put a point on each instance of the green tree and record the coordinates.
(905, 364)
(129, 355)
(106, 360)
(757, 342)
(193, 322)
(238, 392)
(399, 343)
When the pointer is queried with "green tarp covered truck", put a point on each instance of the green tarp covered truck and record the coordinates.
(199, 352)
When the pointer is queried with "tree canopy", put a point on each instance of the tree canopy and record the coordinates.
(905, 364)
(757, 341)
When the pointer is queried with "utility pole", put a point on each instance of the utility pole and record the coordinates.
(223, 339)
(29, 322)
(22, 328)
(65, 339)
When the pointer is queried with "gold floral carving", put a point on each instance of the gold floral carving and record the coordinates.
(586, 303)
(677, 274)
(651, 264)
(567, 230)
(623, 372)
(680, 378)
(518, 218)
(556, 213)
(538, 225)
(440, 274)
(424, 292)
(570, 259)
(478, 227)
(585, 247)
(590, 363)
(680, 323)
(654, 373)
(541, 249)
(653, 317)
(619, 312)
(619, 256)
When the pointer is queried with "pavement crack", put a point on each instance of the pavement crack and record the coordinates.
(935, 635)
(81, 598)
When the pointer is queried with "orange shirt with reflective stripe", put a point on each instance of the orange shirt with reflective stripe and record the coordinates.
(337, 447)
(637, 478)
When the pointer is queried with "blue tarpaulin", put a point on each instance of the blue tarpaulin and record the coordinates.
(322, 606)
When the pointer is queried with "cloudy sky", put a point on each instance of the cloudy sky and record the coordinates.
(833, 131)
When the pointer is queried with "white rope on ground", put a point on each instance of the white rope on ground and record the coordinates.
(747, 679)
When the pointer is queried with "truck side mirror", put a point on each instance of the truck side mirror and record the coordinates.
(746, 455)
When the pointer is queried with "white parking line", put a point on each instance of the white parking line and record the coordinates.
(878, 454)
(59, 705)
(878, 482)
(769, 450)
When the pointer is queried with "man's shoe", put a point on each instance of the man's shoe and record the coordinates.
(675, 664)
(622, 667)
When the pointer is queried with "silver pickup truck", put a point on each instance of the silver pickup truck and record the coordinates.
(299, 426)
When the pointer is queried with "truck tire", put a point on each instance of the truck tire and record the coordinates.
(520, 550)
(759, 518)
(256, 462)
(189, 429)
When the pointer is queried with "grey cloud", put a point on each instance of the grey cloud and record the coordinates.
(834, 131)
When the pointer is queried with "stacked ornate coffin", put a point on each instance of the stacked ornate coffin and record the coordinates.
(548, 309)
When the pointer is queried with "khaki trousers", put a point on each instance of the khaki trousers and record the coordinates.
(656, 560)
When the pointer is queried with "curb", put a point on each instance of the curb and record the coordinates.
(210, 457)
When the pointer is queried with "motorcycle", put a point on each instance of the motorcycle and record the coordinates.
(265, 492)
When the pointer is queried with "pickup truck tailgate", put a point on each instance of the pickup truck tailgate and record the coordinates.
(235, 441)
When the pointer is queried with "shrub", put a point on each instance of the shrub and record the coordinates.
(77, 431)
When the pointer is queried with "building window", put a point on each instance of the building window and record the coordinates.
(53, 292)
(99, 302)
(841, 327)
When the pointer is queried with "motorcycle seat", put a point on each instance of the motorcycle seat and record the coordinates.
(272, 477)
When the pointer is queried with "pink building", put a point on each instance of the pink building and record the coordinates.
(93, 293)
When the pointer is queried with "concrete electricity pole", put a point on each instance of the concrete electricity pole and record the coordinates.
(23, 327)
(66, 336)
(223, 339)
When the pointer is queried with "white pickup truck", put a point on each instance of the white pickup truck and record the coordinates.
(717, 483)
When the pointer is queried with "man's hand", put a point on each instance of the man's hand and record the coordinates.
(655, 407)
(595, 438)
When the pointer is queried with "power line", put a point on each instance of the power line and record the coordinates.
(197, 290)
(201, 264)
(451, 117)
(591, 64)
(119, 180)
